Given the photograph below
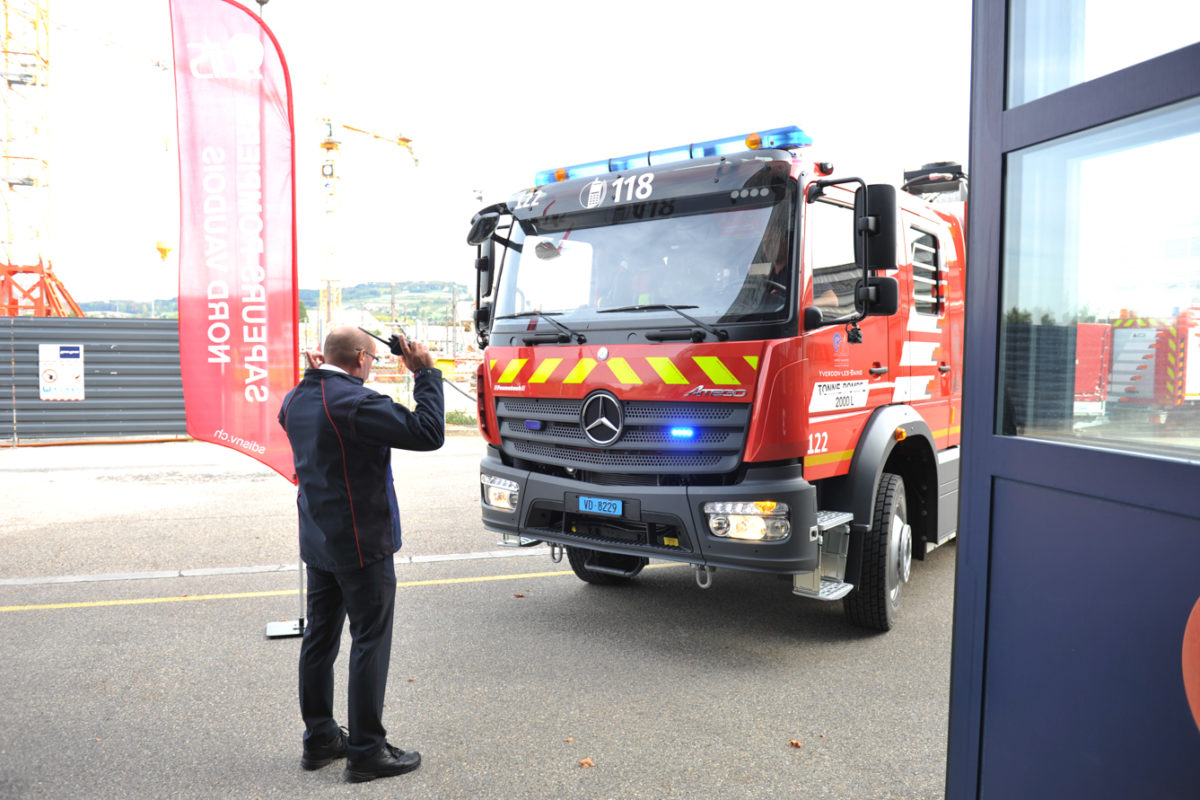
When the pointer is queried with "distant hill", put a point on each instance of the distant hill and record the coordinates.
(131, 308)
(413, 299)
(377, 292)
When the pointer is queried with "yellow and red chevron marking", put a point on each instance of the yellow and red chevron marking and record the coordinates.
(717, 371)
(1146, 322)
(1171, 345)
(1175, 383)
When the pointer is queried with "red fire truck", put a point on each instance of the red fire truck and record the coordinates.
(1139, 361)
(725, 354)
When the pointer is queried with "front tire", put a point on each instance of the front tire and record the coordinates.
(887, 560)
(629, 566)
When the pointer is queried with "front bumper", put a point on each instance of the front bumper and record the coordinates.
(665, 522)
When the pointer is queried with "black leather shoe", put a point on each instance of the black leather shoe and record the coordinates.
(386, 762)
(317, 757)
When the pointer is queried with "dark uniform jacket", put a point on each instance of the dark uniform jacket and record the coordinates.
(342, 435)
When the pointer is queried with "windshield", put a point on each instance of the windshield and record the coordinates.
(722, 264)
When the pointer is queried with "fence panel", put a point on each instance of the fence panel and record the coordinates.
(129, 381)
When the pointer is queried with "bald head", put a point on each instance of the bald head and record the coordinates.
(342, 346)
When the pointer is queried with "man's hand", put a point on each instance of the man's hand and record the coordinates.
(313, 359)
(415, 354)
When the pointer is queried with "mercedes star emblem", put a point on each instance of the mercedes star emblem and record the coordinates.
(602, 418)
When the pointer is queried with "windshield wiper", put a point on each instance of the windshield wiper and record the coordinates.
(722, 335)
(546, 315)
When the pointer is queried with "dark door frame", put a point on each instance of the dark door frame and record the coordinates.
(1142, 482)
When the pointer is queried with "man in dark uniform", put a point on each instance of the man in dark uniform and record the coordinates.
(342, 435)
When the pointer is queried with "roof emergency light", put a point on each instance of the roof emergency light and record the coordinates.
(775, 138)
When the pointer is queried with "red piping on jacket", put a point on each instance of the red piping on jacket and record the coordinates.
(283, 412)
(345, 474)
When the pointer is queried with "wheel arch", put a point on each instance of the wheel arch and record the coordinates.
(913, 457)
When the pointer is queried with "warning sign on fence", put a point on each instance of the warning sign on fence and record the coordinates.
(60, 371)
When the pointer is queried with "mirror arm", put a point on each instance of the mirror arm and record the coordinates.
(498, 209)
(817, 188)
(509, 243)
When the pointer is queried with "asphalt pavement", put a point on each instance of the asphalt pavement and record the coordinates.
(137, 580)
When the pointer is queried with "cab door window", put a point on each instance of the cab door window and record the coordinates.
(928, 287)
(829, 249)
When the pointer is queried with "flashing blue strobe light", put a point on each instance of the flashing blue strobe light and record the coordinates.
(776, 138)
(683, 433)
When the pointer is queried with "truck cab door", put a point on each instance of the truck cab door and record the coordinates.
(844, 380)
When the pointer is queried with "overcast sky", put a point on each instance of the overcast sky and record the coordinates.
(490, 93)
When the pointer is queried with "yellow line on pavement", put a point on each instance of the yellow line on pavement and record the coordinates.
(482, 579)
(191, 598)
(141, 601)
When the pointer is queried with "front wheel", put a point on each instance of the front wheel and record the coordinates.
(887, 560)
(604, 569)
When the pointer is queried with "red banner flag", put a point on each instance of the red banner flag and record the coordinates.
(238, 332)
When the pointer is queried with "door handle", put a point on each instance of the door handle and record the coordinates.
(878, 370)
(943, 367)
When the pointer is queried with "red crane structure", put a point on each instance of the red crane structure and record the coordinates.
(28, 285)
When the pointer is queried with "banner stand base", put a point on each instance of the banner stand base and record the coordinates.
(286, 628)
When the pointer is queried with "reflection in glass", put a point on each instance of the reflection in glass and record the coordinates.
(1055, 44)
(1100, 335)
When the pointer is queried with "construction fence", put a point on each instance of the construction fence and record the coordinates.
(76, 380)
(86, 380)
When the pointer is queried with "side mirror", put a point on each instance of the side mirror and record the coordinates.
(880, 297)
(484, 263)
(876, 214)
(483, 225)
(483, 323)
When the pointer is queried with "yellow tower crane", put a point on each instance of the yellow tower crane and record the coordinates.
(330, 296)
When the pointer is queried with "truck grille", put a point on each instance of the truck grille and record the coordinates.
(549, 432)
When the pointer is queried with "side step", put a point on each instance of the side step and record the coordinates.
(829, 589)
(825, 583)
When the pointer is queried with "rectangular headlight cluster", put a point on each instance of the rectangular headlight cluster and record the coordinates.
(759, 520)
(500, 493)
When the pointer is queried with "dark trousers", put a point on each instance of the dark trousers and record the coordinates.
(368, 597)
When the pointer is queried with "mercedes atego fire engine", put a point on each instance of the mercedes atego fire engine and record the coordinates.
(727, 355)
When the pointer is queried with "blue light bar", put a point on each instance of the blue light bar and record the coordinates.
(683, 433)
(671, 155)
(790, 136)
(775, 138)
(629, 162)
